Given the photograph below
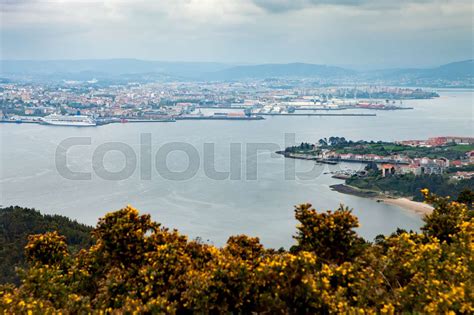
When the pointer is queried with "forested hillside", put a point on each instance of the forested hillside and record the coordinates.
(17, 223)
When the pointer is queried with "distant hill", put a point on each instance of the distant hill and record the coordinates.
(105, 69)
(17, 223)
(134, 70)
(86, 69)
(455, 71)
(460, 70)
(281, 70)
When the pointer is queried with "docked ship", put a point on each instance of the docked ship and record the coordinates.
(65, 120)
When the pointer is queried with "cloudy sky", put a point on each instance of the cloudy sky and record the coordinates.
(380, 33)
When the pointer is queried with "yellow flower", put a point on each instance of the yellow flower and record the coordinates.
(387, 309)
(7, 299)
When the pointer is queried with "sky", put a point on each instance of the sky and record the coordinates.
(360, 33)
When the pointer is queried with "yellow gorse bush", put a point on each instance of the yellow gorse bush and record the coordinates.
(137, 266)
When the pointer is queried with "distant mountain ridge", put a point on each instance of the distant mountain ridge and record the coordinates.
(106, 67)
(126, 70)
(460, 70)
(281, 70)
(453, 70)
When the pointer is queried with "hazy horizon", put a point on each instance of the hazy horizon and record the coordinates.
(349, 66)
(358, 34)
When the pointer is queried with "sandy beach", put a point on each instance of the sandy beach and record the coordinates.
(414, 206)
(418, 207)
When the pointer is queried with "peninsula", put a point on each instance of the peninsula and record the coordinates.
(395, 172)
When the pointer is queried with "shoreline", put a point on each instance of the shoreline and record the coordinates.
(417, 207)
(405, 203)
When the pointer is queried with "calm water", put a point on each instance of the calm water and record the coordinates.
(209, 208)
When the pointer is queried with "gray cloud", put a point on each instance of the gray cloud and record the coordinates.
(12, 5)
(279, 6)
(382, 32)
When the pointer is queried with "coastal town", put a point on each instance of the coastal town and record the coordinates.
(91, 103)
(395, 163)
(401, 167)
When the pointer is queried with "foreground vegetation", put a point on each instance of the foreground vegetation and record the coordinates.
(16, 223)
(135, 265)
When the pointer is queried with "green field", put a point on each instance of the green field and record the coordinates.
(451, 152)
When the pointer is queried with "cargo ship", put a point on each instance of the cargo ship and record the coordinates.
(65, 120)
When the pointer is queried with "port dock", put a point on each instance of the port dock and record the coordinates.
(317, 114)
(218, 117)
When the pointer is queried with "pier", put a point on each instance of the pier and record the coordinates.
(145, 120)
(317, 114)
(219, 117)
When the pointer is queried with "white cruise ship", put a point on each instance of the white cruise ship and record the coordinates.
(64, 120)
